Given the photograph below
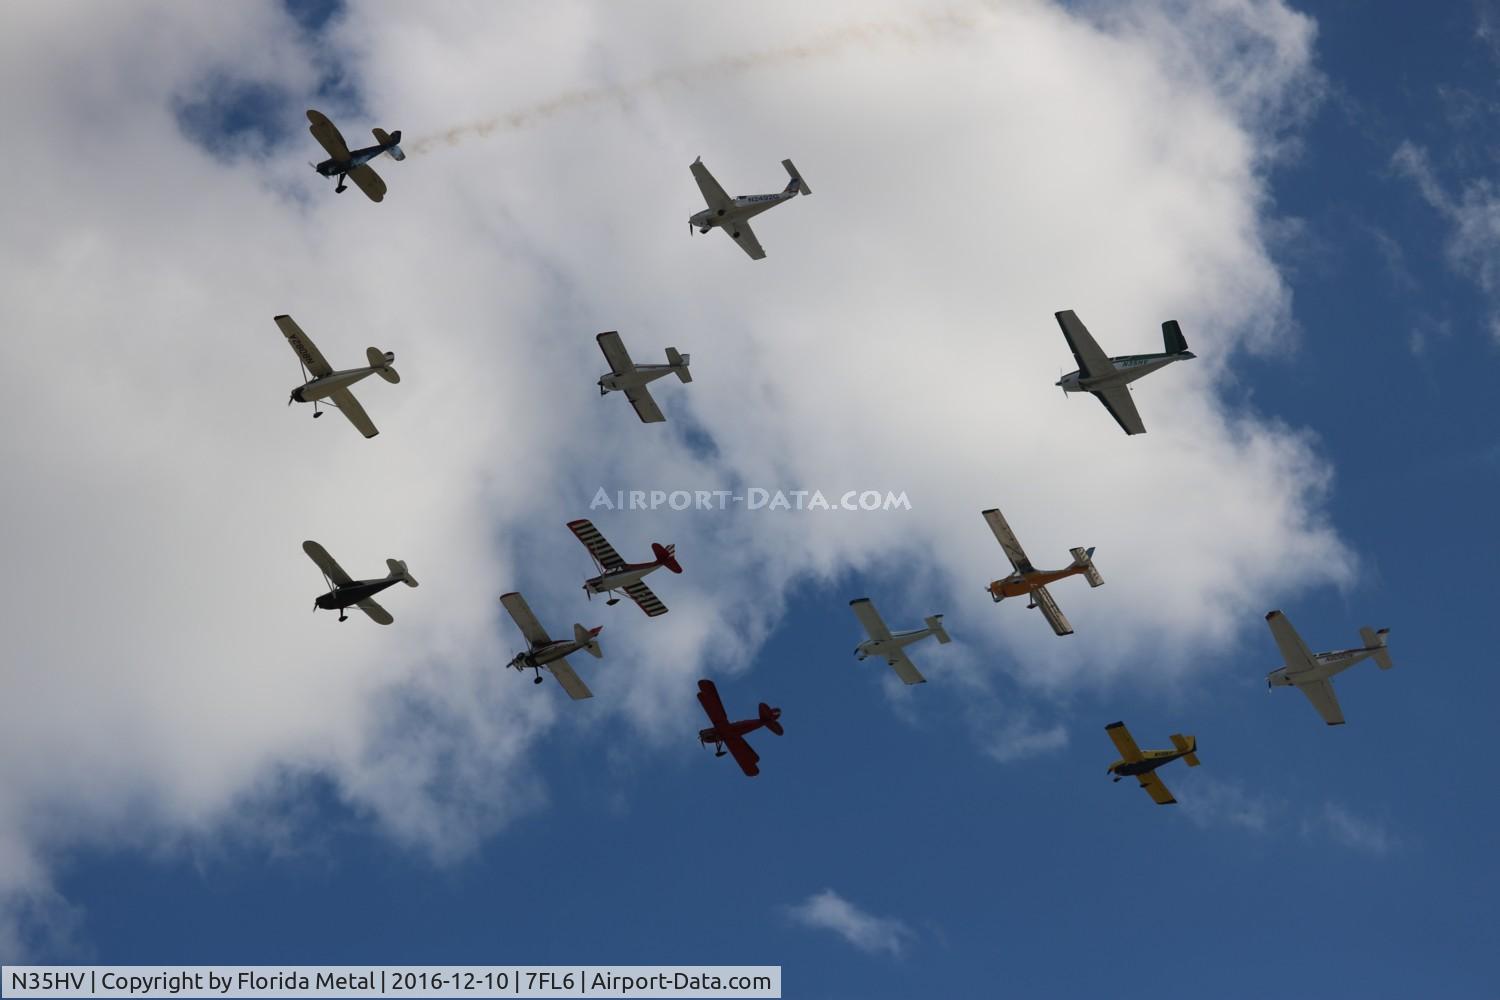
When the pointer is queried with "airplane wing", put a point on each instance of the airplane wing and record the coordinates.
(1320, 693)
(312, 359)
(349, 407)
(325, 562)
(642, 595)
(369, 181)
(645, 405)
(1092, 362)
(1159, 792)
(865, 611)
(1124, 742)
(520, 611)
(904, 668)
(1294, 652)
(744, 755)
(1007, 540)
(598, 547)
(614, 352)
(1117, 401)
(323, 131)
(377, 614)
(713, 194)
(570, 681)
(708, 697)
(1051, 611)
(745, 237)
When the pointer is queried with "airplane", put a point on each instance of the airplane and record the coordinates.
(543, 651)
(344, 591)
(617, 574)
(884, 642)
(1109, 378)
(1027, 579)
(331, 387)
(630, 378)
(1142, 764)
(356, 165)
(724, 733)
(733, 215)
(1311, 673)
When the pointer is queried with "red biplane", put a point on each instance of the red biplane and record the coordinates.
(731, 735)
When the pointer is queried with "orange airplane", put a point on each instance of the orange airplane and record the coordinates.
(1027, 579)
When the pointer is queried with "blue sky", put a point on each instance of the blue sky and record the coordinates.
(1304, 860)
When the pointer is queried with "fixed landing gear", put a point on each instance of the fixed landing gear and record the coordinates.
(612, 602)
(343, 617)
(342, 184)
(719, 751)
(537, 679)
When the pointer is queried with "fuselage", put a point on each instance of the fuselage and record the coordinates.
(897, 640)
(351, 594)
(1150, 761)
(326, 385)
(1325, 665)
(713, 735)
(617, 578)
(1127, 368)
(1018, 584)
(333, 167)
(548, 652)
(619, 381)
(743, 207)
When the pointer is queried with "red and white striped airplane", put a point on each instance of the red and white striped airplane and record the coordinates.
(617, 574)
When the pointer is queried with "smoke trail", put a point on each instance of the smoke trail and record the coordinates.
(915, 32)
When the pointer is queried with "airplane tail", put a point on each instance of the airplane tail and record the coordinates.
(392, 140)
(588, 641)
(666, 555)
(797, 184)
(1172, 340)
(382, 361)
(1085, 558)
(770, 717)
(935, 623)
(679, 363)
(399, 572)
(1376, 641)
(1188, 746)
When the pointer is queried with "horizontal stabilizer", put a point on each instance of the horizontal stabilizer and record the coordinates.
(1186, 745)
(679, 363)
(797, 181)
(1085, 558)
(770, 717)
(1376, 641)
(935, 623)
(587, 641)
(390, 140)
(399, 572)
(382, 361)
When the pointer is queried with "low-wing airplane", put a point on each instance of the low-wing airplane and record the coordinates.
(1109, 378)
(617, 574)
(724, 733)
(891, 645)
(341, 163)
(630, 378)
(1142, 764)
(331, 387)
(344, 591)
(1310, 673)
(544, 651)
(1027, 579)
(733, 215)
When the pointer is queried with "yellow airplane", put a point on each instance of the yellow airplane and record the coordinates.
(1143, 763)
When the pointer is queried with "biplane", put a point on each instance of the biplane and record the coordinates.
(617, 574)
(544, 651)
(729, 737)
(324, 385)
(1029, 580)
(630, 378)
(345, 592)
(733, 215)
(1311, 673)
(1109, 378)
(1142, 764)
(355, 166)
(891, 645)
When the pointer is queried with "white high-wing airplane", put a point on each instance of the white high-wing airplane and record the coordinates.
(1310, 672)
(1109, 378)
(733, 214)
(891, 645)
(544, 651)
(630, 378)
(329, 386)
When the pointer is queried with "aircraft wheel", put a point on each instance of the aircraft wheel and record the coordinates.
(536, 680)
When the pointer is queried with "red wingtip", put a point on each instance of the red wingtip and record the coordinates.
(596, 631)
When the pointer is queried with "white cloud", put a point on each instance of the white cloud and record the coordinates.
(1221, 802)
(163, 676)
(829, 911)
(1344, 827)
